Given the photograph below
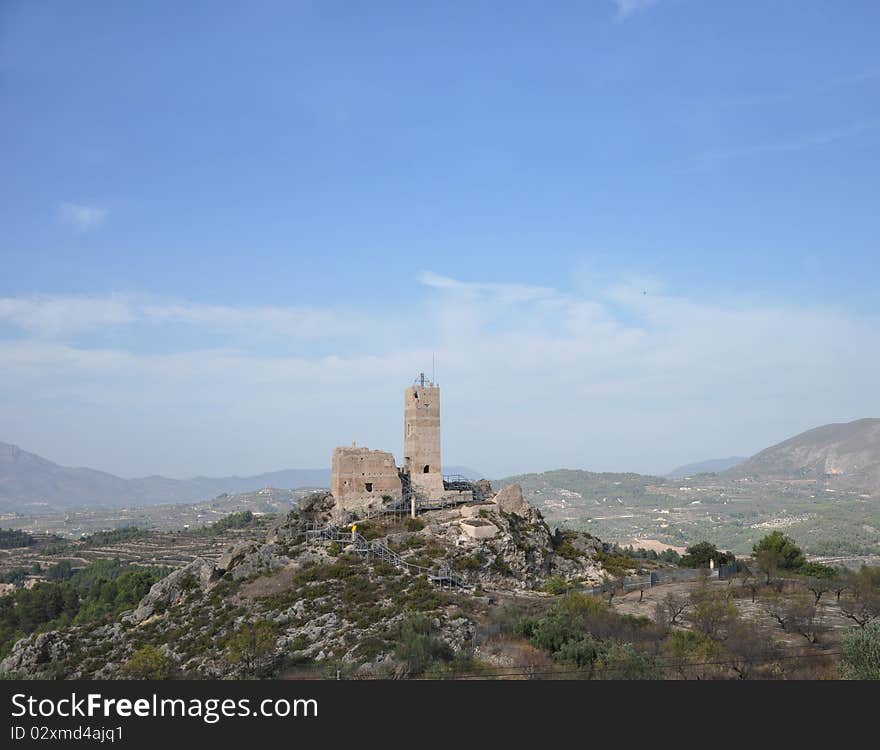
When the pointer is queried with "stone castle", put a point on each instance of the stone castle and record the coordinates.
(363, 479)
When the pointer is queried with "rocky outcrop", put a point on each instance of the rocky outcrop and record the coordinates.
(317, 503)
(524, 552)
(236, 554)
(260, 560)
(171, 590)
(323, 605)
(483, 489)
(30, 655)
(510, 500)
(289, 531)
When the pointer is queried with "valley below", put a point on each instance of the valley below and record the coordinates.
(831, 522)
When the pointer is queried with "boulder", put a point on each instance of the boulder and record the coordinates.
(510, 500)
(173, 588)
(259, 560)
(317, 502)
(482, 489)
(287, 531)
(235, 554)
(29, 655)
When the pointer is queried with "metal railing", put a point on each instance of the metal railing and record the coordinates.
(441, 575)
(461, 483)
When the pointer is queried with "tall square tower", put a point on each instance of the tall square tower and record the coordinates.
(421, 437)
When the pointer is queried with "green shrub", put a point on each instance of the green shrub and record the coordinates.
(562, 544)
(699, 556)
(15, 575)
(581, 652)
(469, 562)
(148, 663)
(861, 653)
(620, 661)
(556, 585)
(616, 565)
(417, 645)
(369, 531)
(788, 554)
(414, 524)
(499, 564)
(817, 570)
(252, 645)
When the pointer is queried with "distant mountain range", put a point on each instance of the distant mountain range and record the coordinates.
(847, 454)
(711, 466)
(28, 482)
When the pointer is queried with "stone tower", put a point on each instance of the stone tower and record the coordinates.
(421, 437)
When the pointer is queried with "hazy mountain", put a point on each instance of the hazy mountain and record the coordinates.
(848, 454)
(28, 480)
(712, 465)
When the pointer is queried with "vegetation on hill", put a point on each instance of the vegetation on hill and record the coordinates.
(292, 607)
(861, 654)
(640, 553)
(233, 521)
(700, 555)
(95, 593)
(123, 534)
(10, 538)
(581, 633)
(784, 552)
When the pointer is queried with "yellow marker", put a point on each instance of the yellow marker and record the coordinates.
(354, 527)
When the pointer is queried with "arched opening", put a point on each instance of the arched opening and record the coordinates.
(369, 486)
(426, 469)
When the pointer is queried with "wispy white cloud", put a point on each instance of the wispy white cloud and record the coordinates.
(792, 144)
(80, 216)
(534, 377)
(46, 315)
(627, 8)
(65, 315)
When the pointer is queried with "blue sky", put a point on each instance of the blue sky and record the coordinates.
(635, 233)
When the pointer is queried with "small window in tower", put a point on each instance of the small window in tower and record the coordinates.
(425, 470)
(369, 486)
(415, 394)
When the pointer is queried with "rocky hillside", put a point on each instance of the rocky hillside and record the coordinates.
(263, 608)
(847, 455)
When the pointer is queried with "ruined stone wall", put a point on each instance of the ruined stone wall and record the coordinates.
(360, 477)
(421, 438)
